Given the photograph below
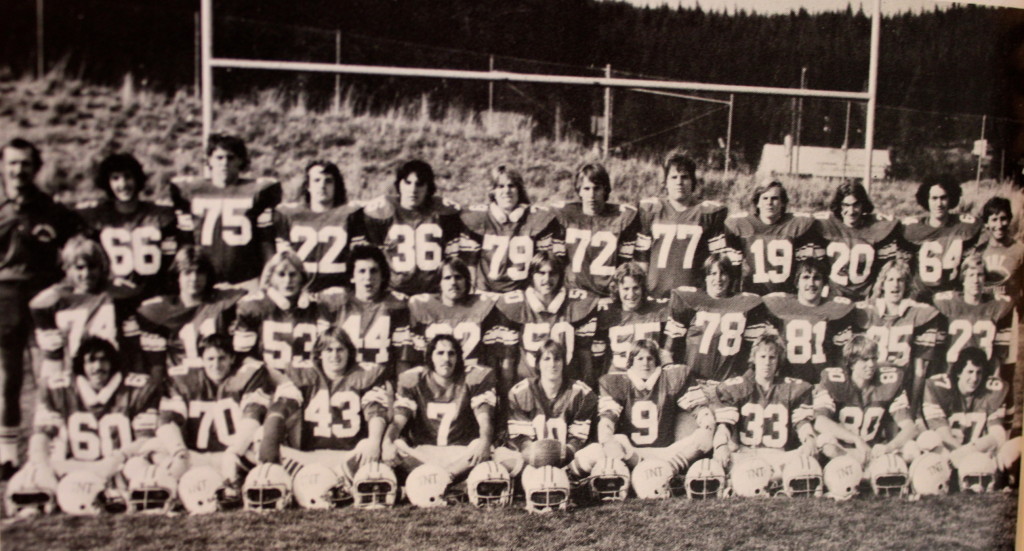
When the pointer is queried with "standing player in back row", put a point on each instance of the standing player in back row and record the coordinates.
(598, 235)
(415, 228)
(772, 240)
(231, 216)
(677, 233)
(859, 242)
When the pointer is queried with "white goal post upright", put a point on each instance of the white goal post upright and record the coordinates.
(210, 62)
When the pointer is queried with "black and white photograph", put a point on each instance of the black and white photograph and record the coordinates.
(518, 274)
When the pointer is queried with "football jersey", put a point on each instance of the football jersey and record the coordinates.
(443, 416)
(719, 331)
(334, 415)
(908, 332)
(967, 416)
(95, 423)
(468, 321)
(646, 411)
(771, 251)
(566, 417)
(814, 335)
(321, 240)
(527, 323)
(675, 242)
(415, 242)
(618, 329)
(938, 251)
(499, 246)
(171, 331)
(63, 318)
(233, 225)
(140, 245)
(865, 412)
(988, 325)
(856, 255)
(769, 419)
(281, 333)
(379, 330)
(596, 245)
(32, 233)
(209, 414)
(1004, 267)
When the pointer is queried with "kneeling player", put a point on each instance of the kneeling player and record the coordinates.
(764, 421)
(443, 420)
(342, 410)
(855, 406)
(639, 412)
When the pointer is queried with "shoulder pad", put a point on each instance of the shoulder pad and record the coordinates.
(422, 297)
(686, 289)
(605, 303)
(740, 214)
(449, 203)
(478, 208)
(582, 387)
(513, 297)
(1001, 297)
(713, 203)
(841, 300)
(749, 294)
(477, 373)
(411, 376)
(801, 215)
(836, 374)
(733, 381)
(559, 204)
(822, 215)
(60, 380)
(177, 371)
(776, 294)
(885, 217)
(153, 300)
(137, 380)
(627, 207)
(944, 295)
(518, 387)
(649, 201)
(399, 296)
(87, 204)
(909, 220)
(968, 218)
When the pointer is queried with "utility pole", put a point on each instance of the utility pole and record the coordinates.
(40, 52)
(490, 95)
(799, 121)
(607, 114)
(207, 54)
(869, 130)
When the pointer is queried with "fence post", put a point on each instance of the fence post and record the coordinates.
(606, 142)
(337, 76)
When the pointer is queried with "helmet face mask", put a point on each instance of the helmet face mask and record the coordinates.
(154, 492)
(489, 485)
(374, 486)
(802, 477)
(977, 473)
(705, 479)
(546, 489)
(609, 481)
(266, 488)
(33, 489)
(889, 476)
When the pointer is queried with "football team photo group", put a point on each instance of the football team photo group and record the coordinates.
(221, 348)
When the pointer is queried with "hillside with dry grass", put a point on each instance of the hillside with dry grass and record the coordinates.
(76, 124)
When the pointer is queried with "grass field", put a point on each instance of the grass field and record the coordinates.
(75, 124)
(981, 522)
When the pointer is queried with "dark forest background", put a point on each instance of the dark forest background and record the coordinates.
(940, 71)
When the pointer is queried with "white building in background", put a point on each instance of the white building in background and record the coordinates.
(822, 162)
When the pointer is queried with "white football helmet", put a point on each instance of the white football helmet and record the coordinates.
(426, 484)
(153, 492)
(652, 479)
(489, 483)
(929, 475)
(609, 480)
(802, 477)
(80, 493)
(842, 477)
(976, 473)
(546, 489)
(267, 487)
(751, 478)
(199, 489)
(32, 488)
(889, 475)
(705, 479)
(374, 486)
(317, 486)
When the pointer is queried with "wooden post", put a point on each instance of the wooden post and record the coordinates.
(606, 142)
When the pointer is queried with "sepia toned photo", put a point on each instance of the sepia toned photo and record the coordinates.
(530, 274)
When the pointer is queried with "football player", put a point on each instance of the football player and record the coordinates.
(232, 217)
(964, 408)
(374, 317)
(84, 304)
(33, 228)
(140, 237)
(630, 316)
(279, 323)
(499, 238)
(321, 226)
(1003, 255)
(814, 327)
(551, 406)
(764, 414)
(415, 228)
(638, 412)
(677, 233)
(547, 310)
(771, 240)
(95, 416)
(339, 409)
(906, 331)
(598, 235)
(720, 323)
(940, 238)
(211, 412)
(859, 241)
(858, 406)
(443, 414)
